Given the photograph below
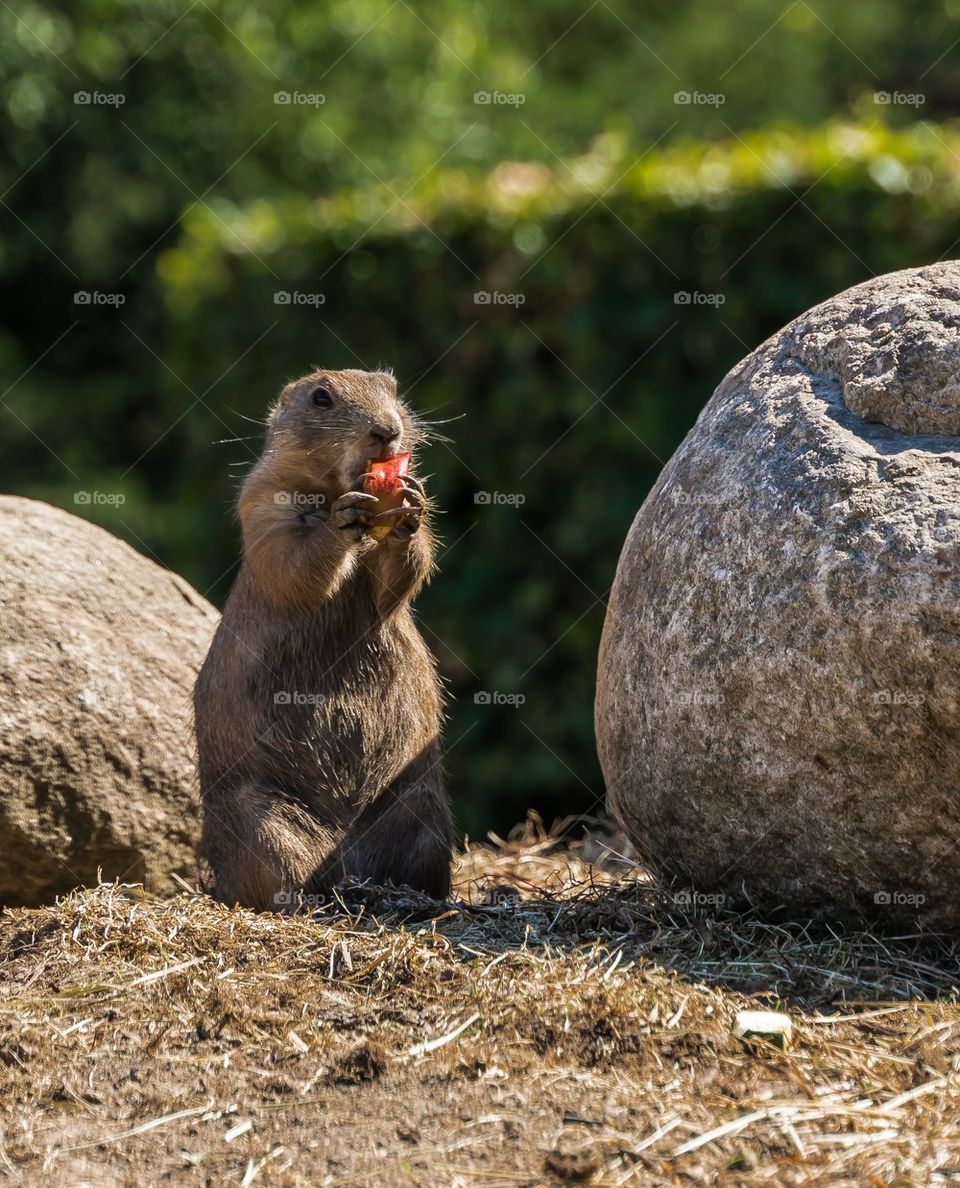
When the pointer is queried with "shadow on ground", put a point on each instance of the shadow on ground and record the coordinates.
(808, 963)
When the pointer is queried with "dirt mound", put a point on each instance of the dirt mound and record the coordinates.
(519, 1035)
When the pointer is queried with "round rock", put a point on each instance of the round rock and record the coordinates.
(777, 699)
(99, 648)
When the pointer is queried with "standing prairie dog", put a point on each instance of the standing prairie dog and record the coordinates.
(318, 706)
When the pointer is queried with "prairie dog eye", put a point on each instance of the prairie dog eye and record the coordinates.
(321, 397)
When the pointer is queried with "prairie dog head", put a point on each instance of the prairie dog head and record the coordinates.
(326, 427)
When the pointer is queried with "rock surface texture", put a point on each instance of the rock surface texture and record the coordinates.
(777, 702)
(99, 648)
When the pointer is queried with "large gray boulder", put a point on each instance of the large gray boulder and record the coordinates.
(777, 701)
(99, 648)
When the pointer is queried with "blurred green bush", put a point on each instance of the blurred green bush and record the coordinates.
(561, 408)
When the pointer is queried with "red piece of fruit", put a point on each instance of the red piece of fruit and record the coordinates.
(386, 475)
(385, 480)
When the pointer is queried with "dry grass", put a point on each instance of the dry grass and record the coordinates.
(562, 1022)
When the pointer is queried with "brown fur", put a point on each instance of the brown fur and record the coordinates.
(339, 775)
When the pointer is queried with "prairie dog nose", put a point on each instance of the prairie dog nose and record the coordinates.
(386, 436)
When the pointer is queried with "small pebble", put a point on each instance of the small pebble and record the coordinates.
(773, 1026)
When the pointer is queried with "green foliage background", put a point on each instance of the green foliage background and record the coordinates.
(399, 198)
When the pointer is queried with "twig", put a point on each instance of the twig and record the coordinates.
(894, 1103)
(432, 1045)
(157, 974)
(254, 1169)
(659, 1133)
(733, 1127)
(142, 1129)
